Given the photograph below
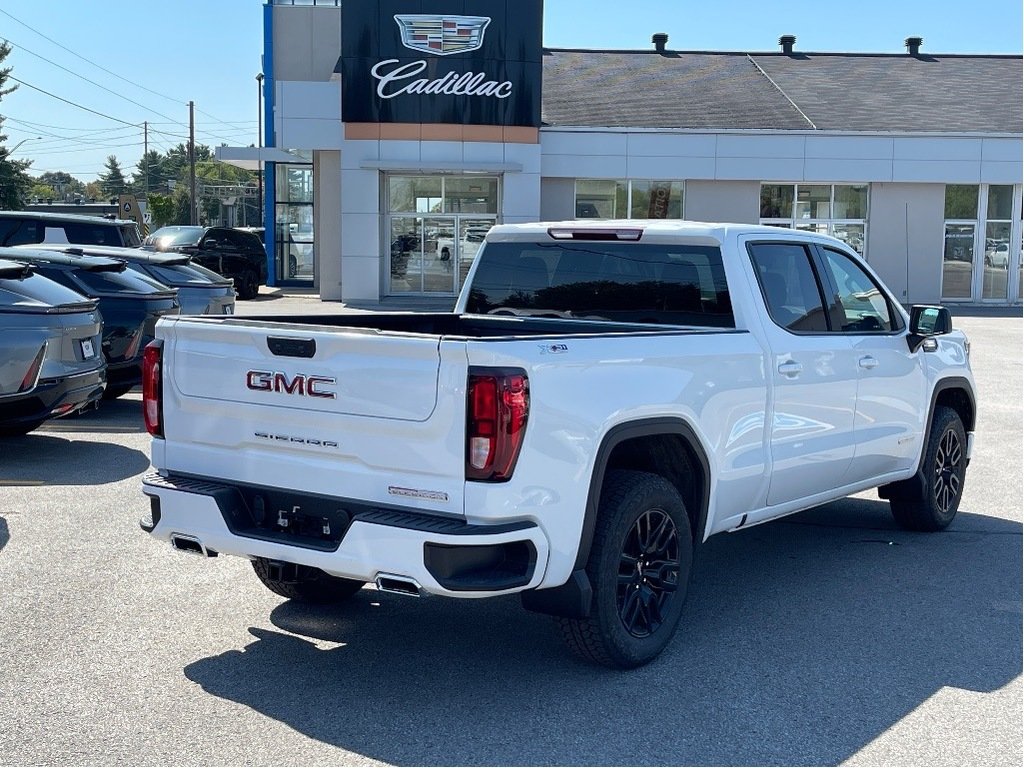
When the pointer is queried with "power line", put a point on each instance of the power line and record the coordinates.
(66, 101)
(86, 79)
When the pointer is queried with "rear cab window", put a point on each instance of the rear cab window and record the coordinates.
(603, 280)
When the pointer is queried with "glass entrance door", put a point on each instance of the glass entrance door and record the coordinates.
(435, 226)
(433, 254)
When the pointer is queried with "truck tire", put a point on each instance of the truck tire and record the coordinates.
(639, 567)
(247, 286)
(310, 585)
(931, 503)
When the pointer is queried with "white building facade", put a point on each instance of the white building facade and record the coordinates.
(369, 211)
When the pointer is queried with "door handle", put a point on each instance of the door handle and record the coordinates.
(790, 368)
(868, 362)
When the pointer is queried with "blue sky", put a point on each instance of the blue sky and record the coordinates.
(146, 59)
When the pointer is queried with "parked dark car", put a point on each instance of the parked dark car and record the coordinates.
(130, 303)
(227, 251)
(200, 290)
(32, 227)
(50, 349)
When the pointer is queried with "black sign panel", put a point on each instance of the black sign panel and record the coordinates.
(469, 62)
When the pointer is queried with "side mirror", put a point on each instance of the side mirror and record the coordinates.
(926, 322)
(209, 243)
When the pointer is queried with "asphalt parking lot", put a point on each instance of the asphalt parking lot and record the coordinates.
(828, 638)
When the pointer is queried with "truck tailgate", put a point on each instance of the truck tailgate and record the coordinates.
(345, 413)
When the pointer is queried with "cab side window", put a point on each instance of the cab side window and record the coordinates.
(790, 289)
(860, 306)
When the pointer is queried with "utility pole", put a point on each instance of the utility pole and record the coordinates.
(145, 153)
(193, 214)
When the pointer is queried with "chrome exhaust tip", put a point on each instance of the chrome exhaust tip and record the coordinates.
(399, 585)
(191, 545)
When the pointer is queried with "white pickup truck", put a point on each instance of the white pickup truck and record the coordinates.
(604, 398)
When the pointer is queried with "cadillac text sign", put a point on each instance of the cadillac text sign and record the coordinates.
(475, 62)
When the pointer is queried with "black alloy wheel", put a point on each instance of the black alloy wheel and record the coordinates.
(648, 572)
(929, 501)
(948, 461)
(639, 568)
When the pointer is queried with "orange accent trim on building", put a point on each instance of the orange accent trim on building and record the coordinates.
(400, 131)
(441, 132)
(521, 135)
(362, 131)
(482, 133)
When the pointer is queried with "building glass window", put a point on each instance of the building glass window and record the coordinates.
(839, 210)
(293, 222)
(979, 252)
(998, 223)
(628, 199)
(436, 225)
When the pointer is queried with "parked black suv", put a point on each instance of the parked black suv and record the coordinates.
(32, 227)
(130, 304)
(227, 251)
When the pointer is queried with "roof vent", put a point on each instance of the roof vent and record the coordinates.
(787, 42)
(660, 40)
(914, 45)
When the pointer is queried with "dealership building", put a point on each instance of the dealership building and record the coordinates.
(397, 133)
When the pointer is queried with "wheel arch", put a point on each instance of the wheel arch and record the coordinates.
(957, 393)
(651, 445)
(632, 445)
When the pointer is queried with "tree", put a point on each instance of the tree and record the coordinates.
(162, 208)
(42, 192)
(93, 192)
(112, 182)
(14, 181)
(149, 174)
(64, 184)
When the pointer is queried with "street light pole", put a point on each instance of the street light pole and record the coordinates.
(14, 149)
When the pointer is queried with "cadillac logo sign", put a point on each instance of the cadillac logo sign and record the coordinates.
(451, 62)
(442, 35)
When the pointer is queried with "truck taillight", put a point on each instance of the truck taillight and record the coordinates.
(152, 388)
(497, 409)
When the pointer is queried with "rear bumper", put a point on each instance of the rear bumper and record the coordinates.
(53, 397)
(443, 555)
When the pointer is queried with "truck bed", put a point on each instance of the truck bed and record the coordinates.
(457, 326)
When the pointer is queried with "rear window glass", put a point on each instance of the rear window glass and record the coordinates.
(184, 273)
(36, 288)
(622, 282)
(118, 282)
(24, 233)
(83, 234)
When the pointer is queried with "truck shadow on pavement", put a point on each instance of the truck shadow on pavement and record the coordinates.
(803, 641)
(44, 459)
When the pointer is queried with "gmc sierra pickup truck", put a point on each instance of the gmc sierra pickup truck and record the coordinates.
(604, 398)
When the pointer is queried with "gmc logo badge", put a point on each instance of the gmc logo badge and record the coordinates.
(300, 384)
